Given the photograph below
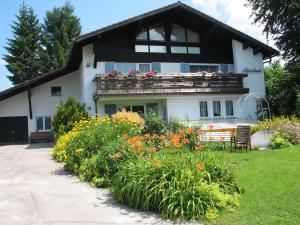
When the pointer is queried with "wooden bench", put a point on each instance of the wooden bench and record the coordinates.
(218, 135)
(40, 137)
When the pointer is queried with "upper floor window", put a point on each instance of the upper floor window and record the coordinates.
(55, 91)
(155, 33)
(201, 68)
(182, 34)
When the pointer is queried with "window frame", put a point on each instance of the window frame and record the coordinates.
(233, 113)
(44, 123)
(138, 67)
(60, 91)
(207, 110)
(213, 109)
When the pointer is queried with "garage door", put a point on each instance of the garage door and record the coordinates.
(13, 129)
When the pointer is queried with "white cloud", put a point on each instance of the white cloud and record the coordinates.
(3, 62)
(233, 13)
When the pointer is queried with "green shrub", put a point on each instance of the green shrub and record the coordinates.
(179, 185)
(94, 148)
(277, 141)
(154, 124)
(66, 116)
(274, 123)
(175, 125)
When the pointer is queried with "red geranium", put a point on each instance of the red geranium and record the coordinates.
(151, 74)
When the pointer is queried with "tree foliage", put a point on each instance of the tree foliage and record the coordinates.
(66, 116)
(24, 48)
(281, 90)
(60, 27)
(281, 19)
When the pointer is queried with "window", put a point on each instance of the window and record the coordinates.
(138, 109)
(55, 91)
(157, 33)
(143, 35)
(201, 68)
(192, 36)
(144, 68)
(123, 107)
(39, 123)
(178, 50)
(43, 123)
(194, 50)
(178, 34)
(203, 109)
(141, 48)
(132, 108)
(217, 108)
(229, 108)
(158, 49)
(125, 67)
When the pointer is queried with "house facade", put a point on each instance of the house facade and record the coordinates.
(202, 69)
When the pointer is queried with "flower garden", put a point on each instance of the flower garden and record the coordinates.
(167, 169)
(171, 173)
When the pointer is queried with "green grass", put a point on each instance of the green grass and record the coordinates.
(271, 180)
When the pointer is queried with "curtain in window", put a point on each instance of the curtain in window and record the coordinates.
(203, 109)
(217, 108)
(229, 108)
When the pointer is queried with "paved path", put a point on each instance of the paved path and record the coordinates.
(35, 190)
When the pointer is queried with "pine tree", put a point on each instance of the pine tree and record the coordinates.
(24, 48)
(60, 27)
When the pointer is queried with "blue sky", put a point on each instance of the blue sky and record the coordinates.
(95, 14)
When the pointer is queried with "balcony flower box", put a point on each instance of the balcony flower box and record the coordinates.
(151, 74)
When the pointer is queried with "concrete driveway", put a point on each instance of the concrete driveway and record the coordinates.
(35, 190)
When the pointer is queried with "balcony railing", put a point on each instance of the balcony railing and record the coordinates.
(229, 83)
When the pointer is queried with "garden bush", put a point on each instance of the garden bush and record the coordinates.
(287, 130)
(180, 185)
(95, 147)
(154, 123)
(66, 116)
(274, 123)
(175, 125)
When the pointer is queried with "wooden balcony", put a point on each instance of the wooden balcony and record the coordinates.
(171, 84)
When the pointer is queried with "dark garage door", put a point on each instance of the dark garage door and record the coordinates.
(13, 129)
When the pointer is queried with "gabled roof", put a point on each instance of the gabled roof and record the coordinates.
(75, 54)
(267, 50)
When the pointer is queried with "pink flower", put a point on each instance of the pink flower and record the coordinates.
(132, 74)
(150, 74)
(112, 74)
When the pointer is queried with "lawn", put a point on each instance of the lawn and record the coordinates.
(271, 180)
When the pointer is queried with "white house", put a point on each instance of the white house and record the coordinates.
(176, 41)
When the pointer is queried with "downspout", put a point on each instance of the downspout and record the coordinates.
(29, 102)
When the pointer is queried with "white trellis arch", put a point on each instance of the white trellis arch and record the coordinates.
(240, 104)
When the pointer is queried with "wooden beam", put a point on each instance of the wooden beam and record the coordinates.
(245, 45)
(256, 51)
(29, 102)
